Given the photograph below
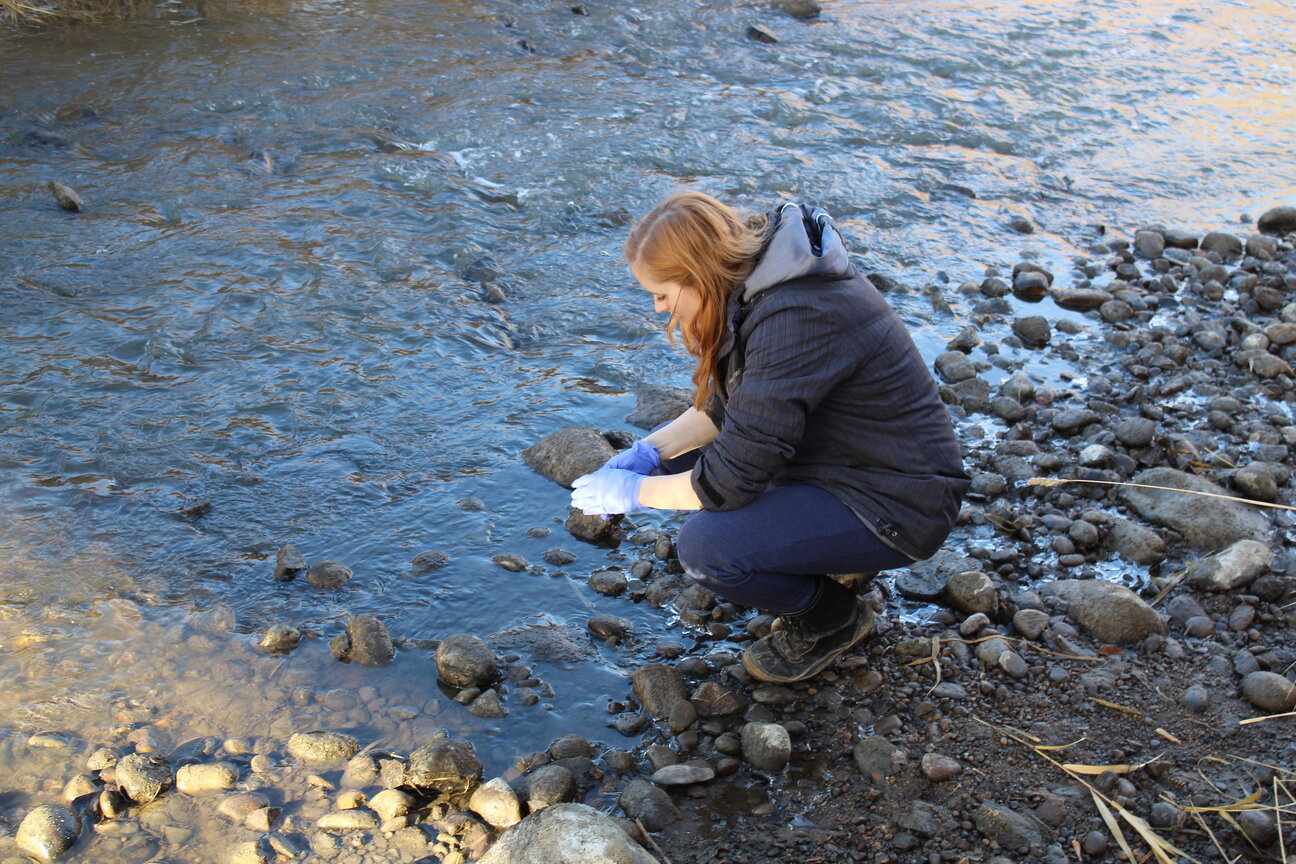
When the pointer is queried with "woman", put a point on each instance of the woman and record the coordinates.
(817, 442)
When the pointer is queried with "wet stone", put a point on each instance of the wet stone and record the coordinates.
(47, 832)
(657, 688)
(289, 563)
(766, 746)
(143, 778)
(66, 196)
(322, 748)
(972, 591)
(1030, 623)
(550, 836)
(559, 557)
(390, 804)
(240, 805)
(428, 562)
(206, 778)
(463, 660)
(549, 785)
(280, 638)
(328, 575)
(102, 758)
(715, 700)
(568, 453)
(649, 804)
(1033, 330)
(684, 774)
(609, 583)
(512, 563)
(487, 705)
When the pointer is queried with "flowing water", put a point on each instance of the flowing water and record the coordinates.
(268, 327)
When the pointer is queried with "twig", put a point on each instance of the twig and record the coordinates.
(1059, 481)
(656, 848)
(1265, 717)
(1115, 707)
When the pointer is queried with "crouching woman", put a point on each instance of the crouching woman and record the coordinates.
(817, 442)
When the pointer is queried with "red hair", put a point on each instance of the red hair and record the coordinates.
(702, 244)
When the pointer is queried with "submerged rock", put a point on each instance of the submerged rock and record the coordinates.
(365, 641)
(590, 528)
(206, 779)
(328, 575)
(66, 197)
(321, 747)
(564, 834)
(657, 688)
(568, 453)
(649, 804)
(463, 660)
(280, 638)
(47, 832)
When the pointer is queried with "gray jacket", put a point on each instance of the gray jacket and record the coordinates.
(820, 384)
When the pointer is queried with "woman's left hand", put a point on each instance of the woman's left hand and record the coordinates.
(607, 491)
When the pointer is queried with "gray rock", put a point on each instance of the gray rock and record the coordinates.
(548, 785)
(649, 804)
(1006, 827)
(206, 778)
(1199, 627)
(511, 562)
(1207, 523)
(568, 454)
(655, 404)
(798, 8)
(1019, 388)
(1269, 691)
(609, 626)
(766, 746)
(715, 700)
(1012, 663)
(972, 591)
(955, 366)
(592, 529)
(761, 33)
(366, 641)
(1150, 244)
(1111, 612)
(1256, 481)
(937, 768)
(1030, 284)
(47, 832)
(487, 705)
(249, 852)
(1135, 542)
(657, 688)
(289, 563)
(926, 579)
(328, 575)
(143, 777)
(567, 833)
(280, 638)
(1033, 330)
(1236, 567)
(445, 765)
(428, 562)
(1222, 243)
(1278, 220)
(463, 660)
(1135, 431)
(1195, 699)
(1259, 827)
(1081, 298)
(684, 774)
(876, 754)
(497, 803)
(610, 582)
(1030, 623)
(320, 748)
(66, 196)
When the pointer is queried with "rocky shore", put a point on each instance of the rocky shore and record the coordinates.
(1105, 641)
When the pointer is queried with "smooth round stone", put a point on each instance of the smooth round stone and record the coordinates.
(1195, 699)
(262, 820)
(142, 777)
(773, 696)
(249, 852)
(683, 775)
(767, 746)
(1012, 663)
(49, 740)
(102, 758)
(1199, 627)
(240, 805)
(47, 832)
(328, 574)
(390, 804)
(1030, 623)
(348, 820)
(936, 767)
(609, 626)
(322, 748)
(511, 562)
(463, 660)
(1269, 691)
(207, 778)
(610, 583)
(79, 786)
(497, 803)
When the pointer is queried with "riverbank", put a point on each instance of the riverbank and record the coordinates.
(1078, 647)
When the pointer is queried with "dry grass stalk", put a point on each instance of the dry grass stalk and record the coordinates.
(1223, 855)
(1115, 707)
(1265, 717)
(1166, 735)
(1161, 848)
(656, 848)
(66, 11)
(1060, 481)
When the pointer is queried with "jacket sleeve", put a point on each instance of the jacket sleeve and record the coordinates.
(795, 356)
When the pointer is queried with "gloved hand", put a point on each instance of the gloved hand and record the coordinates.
(607, 491)
(640, 457)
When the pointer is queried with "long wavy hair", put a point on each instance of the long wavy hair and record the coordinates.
(708, 246)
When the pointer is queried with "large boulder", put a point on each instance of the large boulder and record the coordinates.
(566, 833)
(568, 454)
(1111, 612)
(655, 405)
(1205, 522)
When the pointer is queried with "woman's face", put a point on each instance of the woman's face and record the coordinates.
(679, 301)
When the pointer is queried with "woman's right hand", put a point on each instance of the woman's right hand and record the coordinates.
(640, 457)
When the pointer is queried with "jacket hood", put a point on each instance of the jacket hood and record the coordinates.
(804, 243)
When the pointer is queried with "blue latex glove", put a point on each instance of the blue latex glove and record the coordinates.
(607, 491)
(640, 457)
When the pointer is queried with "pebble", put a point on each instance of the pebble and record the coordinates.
(649, 804)
(1030, 623)
(428, 562)
(47, 832)
(497, 803)
(322, 748)
(206, 778)
(1012, 663)
(487, 705)
(262, 820)
(766, 746)
(1269, 691)
(936, 767)
(512, 563)
(348, 820)
(1195, 699)
(973, 624)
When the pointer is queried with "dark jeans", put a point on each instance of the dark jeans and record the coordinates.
(772, 553)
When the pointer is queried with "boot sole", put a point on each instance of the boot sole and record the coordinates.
(866, 630)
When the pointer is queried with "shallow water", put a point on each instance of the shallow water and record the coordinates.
(270, 304)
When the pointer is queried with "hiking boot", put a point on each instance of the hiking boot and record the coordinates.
(798, 650)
